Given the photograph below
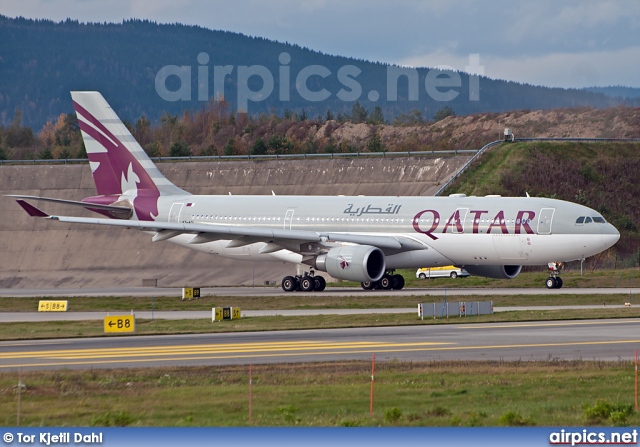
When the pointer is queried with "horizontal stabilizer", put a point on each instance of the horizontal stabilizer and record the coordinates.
(87, 205)
(31, 210)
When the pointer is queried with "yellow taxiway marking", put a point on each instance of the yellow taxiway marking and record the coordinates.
(156, 351)
(364, 348)
(297, 354)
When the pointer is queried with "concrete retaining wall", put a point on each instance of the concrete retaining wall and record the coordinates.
(35, 253)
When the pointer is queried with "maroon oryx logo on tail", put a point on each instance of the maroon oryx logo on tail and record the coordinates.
(115, 169)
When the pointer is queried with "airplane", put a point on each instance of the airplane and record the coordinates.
(357, 238)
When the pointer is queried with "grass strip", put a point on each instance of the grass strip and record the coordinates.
(311, 301)
(545, 393)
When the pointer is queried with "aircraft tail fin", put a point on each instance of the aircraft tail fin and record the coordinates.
(121, 169)
(118, 163)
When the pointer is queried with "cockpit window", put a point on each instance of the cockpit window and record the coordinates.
(586, 220)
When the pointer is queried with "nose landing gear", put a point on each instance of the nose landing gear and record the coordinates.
(554, 281)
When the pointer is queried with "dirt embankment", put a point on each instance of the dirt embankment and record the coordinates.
(473, 131)
(209, 133)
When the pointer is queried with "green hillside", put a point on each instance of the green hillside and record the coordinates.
(603, 176)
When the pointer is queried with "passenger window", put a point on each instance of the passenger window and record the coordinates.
(580, 220)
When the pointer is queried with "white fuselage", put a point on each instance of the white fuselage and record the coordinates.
(450, 230)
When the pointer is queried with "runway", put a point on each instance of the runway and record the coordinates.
(564, 340)
(331, 291)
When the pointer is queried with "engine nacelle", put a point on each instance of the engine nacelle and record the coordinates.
(494, 271)
(361, 263)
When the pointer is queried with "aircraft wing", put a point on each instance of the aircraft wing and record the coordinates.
(299, 241)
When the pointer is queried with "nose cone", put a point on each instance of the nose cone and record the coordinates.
(610, 235)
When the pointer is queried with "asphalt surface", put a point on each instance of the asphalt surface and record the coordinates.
(603, 340)
(566, 340)
(331, 291)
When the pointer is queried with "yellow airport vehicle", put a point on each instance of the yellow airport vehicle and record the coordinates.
(447, 271)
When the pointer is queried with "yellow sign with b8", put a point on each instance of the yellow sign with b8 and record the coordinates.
(120, 323)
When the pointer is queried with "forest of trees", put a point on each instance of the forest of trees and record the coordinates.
(42, 61)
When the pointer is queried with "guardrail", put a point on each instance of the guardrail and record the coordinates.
(579, 139)
(467, 164)
(264, 157)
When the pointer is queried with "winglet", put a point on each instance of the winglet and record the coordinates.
(31, 210)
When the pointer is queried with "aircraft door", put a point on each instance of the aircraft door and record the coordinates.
(545, 219)
(174, 213)
(288, 219)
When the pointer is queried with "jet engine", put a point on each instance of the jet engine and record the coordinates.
(494, 271)
(361, 263)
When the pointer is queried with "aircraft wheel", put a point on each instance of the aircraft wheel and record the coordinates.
(320, 283)
(558, 282)
(368, 285)
(398, 282)
(307, 284)
(386, 282)
(551, 283)
(289, 284)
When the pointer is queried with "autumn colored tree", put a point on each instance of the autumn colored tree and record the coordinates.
(143, 131)
(47, 135)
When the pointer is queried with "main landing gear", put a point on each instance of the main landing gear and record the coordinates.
(307, 282)
(554, 281)
(389, 281)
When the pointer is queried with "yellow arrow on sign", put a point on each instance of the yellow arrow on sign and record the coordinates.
(120, 323)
